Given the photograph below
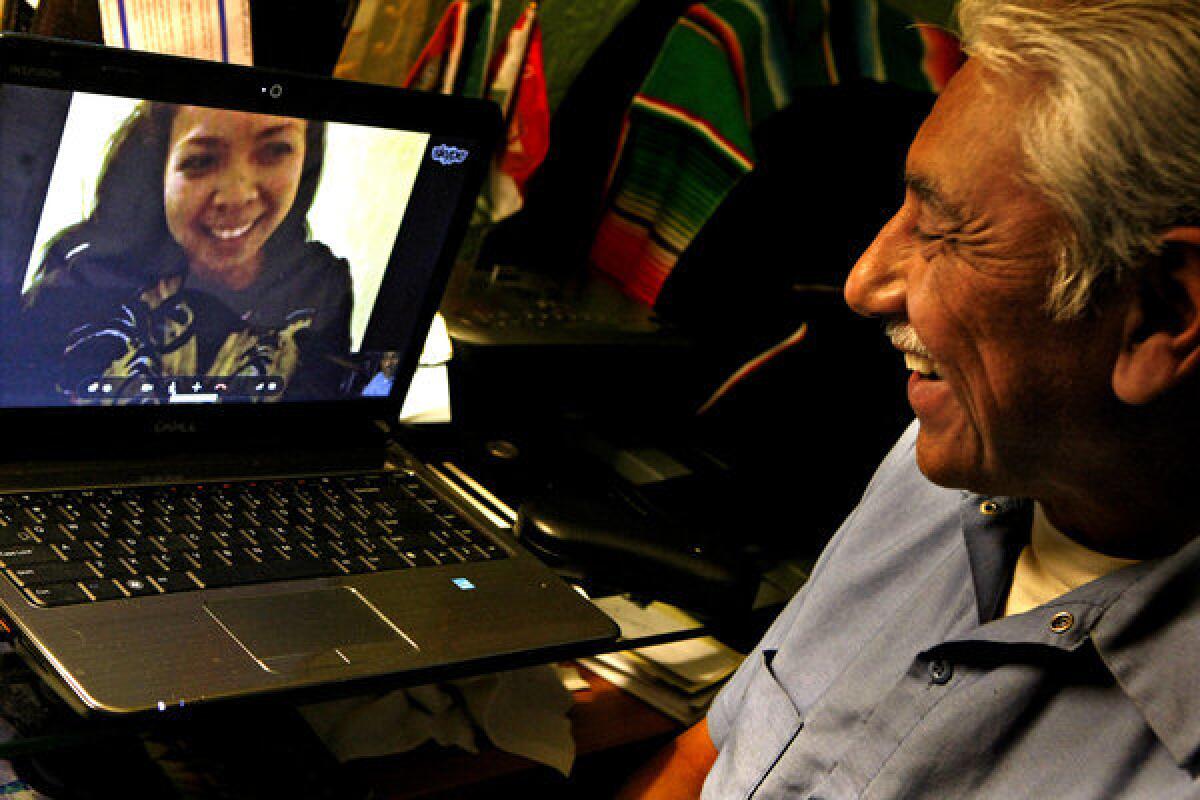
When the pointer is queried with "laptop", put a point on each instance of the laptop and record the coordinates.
(215, 283)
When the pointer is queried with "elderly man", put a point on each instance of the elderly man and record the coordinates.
(1013, 610)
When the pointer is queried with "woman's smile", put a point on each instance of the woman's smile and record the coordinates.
(227, 232)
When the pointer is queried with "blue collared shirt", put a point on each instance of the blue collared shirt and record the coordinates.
(891, 674)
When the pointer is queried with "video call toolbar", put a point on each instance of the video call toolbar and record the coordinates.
(182, 388)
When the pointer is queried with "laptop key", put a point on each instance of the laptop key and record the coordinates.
(19, 555)
(471, 536)
(362, 545)
(257, 553)
(238, 574)
(325, 550)
(334, 530)
(421, 558)
(60, 532)
(195, 541)
(100, 589)
(176, 524)
(289, 551)
(277, 536)
(235, 555)
(173, 543)
(105, 548)
(247, 519)
(134, 527)
(492, 550)
(446, 555)
(50, 572)
(56, 594)
(136, 565)
(221, 539)
(108, 568)
(468, 553)
(11, 536)
(173, 581)
(73, 551)
(383, 561)
(95, 529)
(412, 522)
(137, 586)
(409, 541)
(31, 515)
(350, 565)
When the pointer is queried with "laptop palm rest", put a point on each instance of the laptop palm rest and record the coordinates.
(317, 629)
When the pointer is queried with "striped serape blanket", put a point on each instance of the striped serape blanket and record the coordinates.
(725, 67)
(686, 139)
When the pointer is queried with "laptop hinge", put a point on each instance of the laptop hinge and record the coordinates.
(180, 460)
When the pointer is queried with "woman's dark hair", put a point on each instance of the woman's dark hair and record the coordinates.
(129, 217)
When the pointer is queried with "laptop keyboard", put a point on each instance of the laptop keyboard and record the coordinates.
(87, 546)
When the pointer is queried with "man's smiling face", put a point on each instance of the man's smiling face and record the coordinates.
(1005, 395)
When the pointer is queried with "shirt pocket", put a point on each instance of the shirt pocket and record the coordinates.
(764, 725)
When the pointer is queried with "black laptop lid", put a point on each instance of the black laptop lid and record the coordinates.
(190, 246)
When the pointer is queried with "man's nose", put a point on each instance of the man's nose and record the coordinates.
(877, 285)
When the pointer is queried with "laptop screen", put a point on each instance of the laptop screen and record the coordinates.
(159, 253)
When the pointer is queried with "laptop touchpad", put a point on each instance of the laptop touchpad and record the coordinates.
(308, 630)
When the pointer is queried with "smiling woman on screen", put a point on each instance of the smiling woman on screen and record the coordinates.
(196, 261)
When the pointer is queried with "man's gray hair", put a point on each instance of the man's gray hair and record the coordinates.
(1113, 137)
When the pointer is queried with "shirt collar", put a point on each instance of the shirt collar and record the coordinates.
(994, 529)
(1149, 638)
(1144, 620)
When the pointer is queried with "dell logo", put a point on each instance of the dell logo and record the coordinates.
(174, 427)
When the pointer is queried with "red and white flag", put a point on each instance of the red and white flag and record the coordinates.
(518, 85)
(436, 69)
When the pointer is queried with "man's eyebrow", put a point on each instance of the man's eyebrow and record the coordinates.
(928, 192)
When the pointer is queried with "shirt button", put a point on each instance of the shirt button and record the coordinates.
(1062, 622)
(989, 507)
(940, 671)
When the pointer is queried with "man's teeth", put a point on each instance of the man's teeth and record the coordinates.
(232, 233)
(921, 364)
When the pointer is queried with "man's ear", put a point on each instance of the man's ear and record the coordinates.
(1161, 337)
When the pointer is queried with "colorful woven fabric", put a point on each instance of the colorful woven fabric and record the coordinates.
(686, 142)
(725, 67)
(884, 43)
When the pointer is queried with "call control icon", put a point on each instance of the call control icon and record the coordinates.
(449, 155)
